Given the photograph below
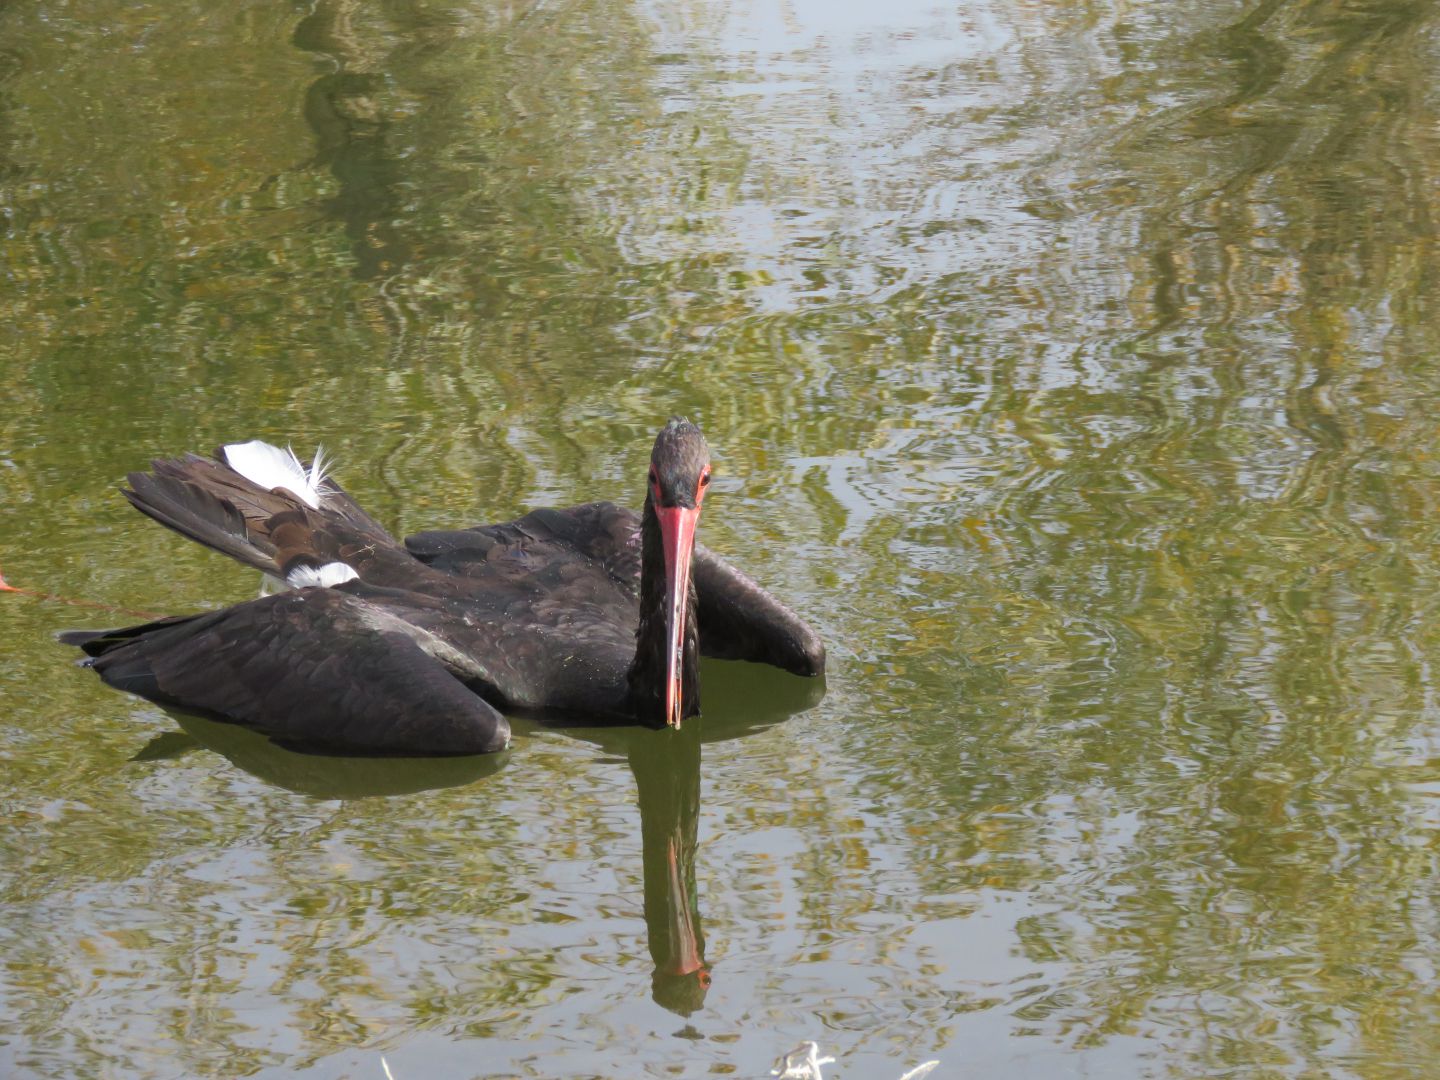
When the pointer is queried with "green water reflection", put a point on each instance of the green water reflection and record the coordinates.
(1071, 367)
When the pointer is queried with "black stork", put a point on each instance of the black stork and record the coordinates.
(592, 613)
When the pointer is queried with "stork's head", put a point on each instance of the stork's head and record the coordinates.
(679, 477)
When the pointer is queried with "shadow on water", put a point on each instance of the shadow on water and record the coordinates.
(317, 775)
(665, 764)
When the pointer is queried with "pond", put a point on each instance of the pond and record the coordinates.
(1072, 368)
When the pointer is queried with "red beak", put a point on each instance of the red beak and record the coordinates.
(677, 534)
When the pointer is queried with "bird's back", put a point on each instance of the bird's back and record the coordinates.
(550, 599)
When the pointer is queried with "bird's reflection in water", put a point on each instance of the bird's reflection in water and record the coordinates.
(739, 700)
(665, 764)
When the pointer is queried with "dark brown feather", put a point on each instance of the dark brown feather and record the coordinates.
(317, 669)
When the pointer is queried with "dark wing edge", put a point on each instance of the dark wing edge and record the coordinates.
(316, 670)
(739, 620)
(176, 501)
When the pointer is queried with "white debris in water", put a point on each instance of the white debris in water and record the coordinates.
(920, 1070)
(803, 1063)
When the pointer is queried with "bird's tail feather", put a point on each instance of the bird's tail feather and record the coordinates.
(271, 529)
(190, 496)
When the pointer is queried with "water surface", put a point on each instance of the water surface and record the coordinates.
(1071, 367)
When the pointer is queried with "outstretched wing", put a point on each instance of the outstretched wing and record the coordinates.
(317, 669)
(738, 619)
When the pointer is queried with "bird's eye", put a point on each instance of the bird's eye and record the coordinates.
(705, 478)
(653, 478)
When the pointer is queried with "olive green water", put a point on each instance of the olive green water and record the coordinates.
(1074, 368)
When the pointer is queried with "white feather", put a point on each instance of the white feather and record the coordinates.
(270, 467)
(319, 467)
(334, 573)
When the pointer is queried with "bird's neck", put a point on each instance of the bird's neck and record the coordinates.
(646, 676)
